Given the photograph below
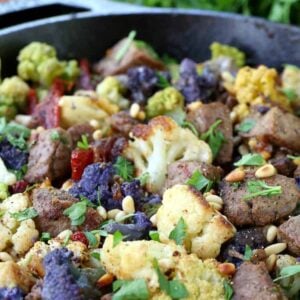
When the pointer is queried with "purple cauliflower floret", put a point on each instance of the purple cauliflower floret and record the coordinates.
(59, 281)
(133, 189)
(142, 83)
(12, 157)
(14, 293)
(138, 229)
(196, 87)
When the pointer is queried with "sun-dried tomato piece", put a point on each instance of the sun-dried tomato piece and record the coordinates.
(80, 237)
(32, 101)
(80, 158)
(19, 187)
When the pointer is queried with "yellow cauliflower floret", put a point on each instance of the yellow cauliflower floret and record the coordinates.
(24, 237)
(206, 230)
(80, 109)
(160, 143)
(5, 237)
(134, 260)
(257, 86)
(13, 275)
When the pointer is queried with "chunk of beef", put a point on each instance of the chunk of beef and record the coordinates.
(76, 132)
(283, 164)
(254, 237)
(204, 116)
(180, 171)
(253, 282)
(50, 204)
(122, 122)
(279, 128)
(134, 56)
(260, 210)
(289, 232)
(50, 155)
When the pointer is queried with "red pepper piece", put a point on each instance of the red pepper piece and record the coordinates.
(80, 158)
(80, 237)
(19, 187)
(32, 101)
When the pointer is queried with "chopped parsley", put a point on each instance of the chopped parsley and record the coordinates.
(290, 94)
(174, 288)
(162, 81)
(91, 238)
(117, 238)
(56, 136)
(124, 168)
(45, 237)
(293, 157)
(84, 143)
(125, 47)
(76, 212)
(288, 271)
(228, 290)
(246, 125)
(130, 289)
(96, 255)
(28, 213)
(67, 238)
(178, 234)
(154, 235)
(144, 178)
(248, 253)
(214, 137)
(199, 181)
(257, 188)
(191, 127)
(250, 160)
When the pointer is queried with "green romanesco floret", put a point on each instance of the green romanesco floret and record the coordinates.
(164, 102)
(38, 62)
(3, 191)
(13, 93)
(112, 90)
(218, 49)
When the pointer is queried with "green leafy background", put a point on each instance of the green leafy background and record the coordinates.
(284, 11)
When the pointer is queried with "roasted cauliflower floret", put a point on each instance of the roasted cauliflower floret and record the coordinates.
(201, 278)
(164, 101)
(38, 62)
(112, 90)
(160, 143)
(6, 177)
(257, 87)
(206, 228)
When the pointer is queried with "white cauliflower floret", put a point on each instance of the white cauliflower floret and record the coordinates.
(13, 275)
(24, 237)
(160, 143)
(206, 230)
(5, 237)
(5, 176)
(134, 260)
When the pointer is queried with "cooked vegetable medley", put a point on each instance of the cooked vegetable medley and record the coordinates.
(142, 178)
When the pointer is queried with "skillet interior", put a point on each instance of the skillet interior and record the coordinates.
(178, 33)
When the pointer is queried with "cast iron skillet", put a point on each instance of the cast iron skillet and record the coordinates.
(180, 33)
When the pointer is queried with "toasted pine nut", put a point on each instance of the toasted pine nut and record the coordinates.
(215, 205)
(111, 214)
(271, 233)
(4, 256)
(105, 280)
(265, 171)
(141, 115)
(275, 248)
(226, 268)
(134, 110)
(214, 198)
(235, 175)
(233, 116)
(243, 149)
(67, 185)
(24, 120)
(271, 262)
(102, 212)
(94, 123)
(153, 219)
(64, 234)
(265, 154)
(97, 135)
(194, 105)
(128, 205)
(120, 216)
(252, 143)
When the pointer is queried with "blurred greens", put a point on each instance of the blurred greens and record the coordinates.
(284, 11)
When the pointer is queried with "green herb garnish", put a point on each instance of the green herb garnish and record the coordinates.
(246, 125)
(288, 271)
(214, 137)
(228, 290)
(117, 238)
(67, 239)
(84, 143)
(199, 181)
(45, 237)
(257, 188)
(162, 81)
(124, 168)
(290, 94)
(55, 136)
(250, 160)
(293, 157)
(174, 288)
(28, 213)
(178, 234)
(191, 127)
(154, 235)
(125, 47)
(144, 178)
(76, 212)
(130, 290)
(96, 255)
(248, 253)
(91, 238)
